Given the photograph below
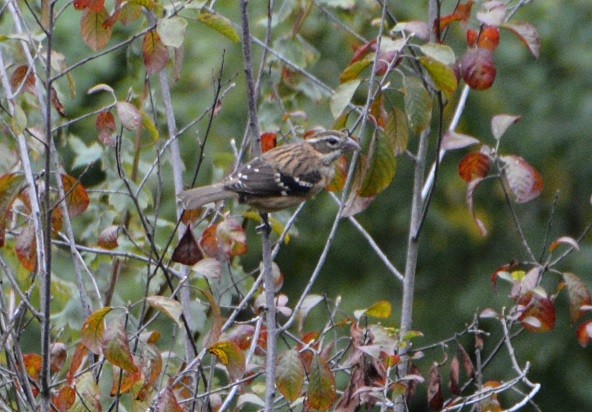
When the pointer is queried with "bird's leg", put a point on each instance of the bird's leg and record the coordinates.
(264, 227)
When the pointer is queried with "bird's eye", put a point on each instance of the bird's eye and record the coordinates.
(332, 141)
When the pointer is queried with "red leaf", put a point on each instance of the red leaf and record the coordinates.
(578, 294)
(538, 312)
(106, 127)
(461, 14)
(478, 68)
(473, 166)
(187, 251)
(584, 333)
(268, 141)
(523, 180)
(154, 53)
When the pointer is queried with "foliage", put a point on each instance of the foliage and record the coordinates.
(128, 316)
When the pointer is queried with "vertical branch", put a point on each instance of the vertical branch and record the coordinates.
(268, 282)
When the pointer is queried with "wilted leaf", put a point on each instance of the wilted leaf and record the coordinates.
(524, 181)
(342, 97)
(33, 364)
(23, 79)
(168, 402)
(26, 247)
(466, 361)
(220, 24)
(118, 352)
(76, 196)
(474, 166)
(435, 396)
(418, 104)
(578, 294)
(564, 240)
(442, 75)
(129, 115)
(417, 28)
(10, 187)
(93, 330)
(537, 312)
(321, 385)
(187, 252)
(584, 333)
(527, 34)
(231, 356)
(469, 197)
(95, 33)
(56, 103)
(151, 366)
(501, 122)
(167, 306)
(172, 30)
(106, 127)
(154, 53)
(453, 141)
(290, 375)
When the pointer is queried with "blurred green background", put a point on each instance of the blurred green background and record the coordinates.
(552, 94)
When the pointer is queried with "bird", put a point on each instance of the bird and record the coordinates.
(280, 178)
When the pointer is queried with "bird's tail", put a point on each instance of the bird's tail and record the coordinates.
(200, 196)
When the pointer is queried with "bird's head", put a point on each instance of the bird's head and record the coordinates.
(331, 144)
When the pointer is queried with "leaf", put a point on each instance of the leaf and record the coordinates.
(76, 196)
(352, 71)
(88, 393)
(493, 13)
(172, 31)
(380, 166)
(10, 186)
(417, 28)
(23, 79)
(149, 125)
(454, 141)
(116, 349)
(108, 237)
(187, 251)
(106, 127)
(321, 385)
(168, 402)
(95, 33)
(578, 295)
(396, 128)
(584, 333)
(154, 53)
(208, 268)
(442, 75)
(220, 24)
(501, 122)
(26, 247)
(537, 312)
(527, 34)
(80, 355)
(231, 356)
(462, 13)
(224, 240)
(151, 366)
(59, 353)
(167, 306)
(469, 198)
(309, 302)
(65, 398)
(564, 240)
(418, 104)
(342, 97)
(129, 115)
(439, 52)
(380, 310)
(473, 166)
(524, 181)
(290, 375)
(56, 103)
(435, 396)
(93, 330)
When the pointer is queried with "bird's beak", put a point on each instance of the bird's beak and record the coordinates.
(351, 145)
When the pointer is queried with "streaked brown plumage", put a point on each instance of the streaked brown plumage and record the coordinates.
(280, 178)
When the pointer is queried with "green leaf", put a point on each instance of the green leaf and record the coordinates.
(220, 24)
(352, 71)
(290, 375)
(396, 128)
(167, 306)
(381, 165)
(442, 75)
(439, 52)
(342, 97)
(231, 356)
(149, 125)
(418, 104)
(172, 31)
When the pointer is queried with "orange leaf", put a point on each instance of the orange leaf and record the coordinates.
(33, 363)
(21, 75)
(65, 398)
(154, 53)
(95, 33)
(268, 141)
(80, 355)
(474, 165)
(76, 195)
(461, 14)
